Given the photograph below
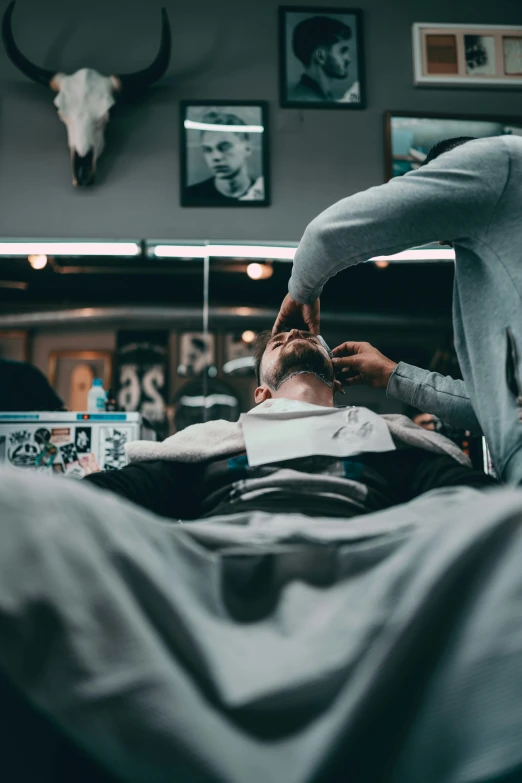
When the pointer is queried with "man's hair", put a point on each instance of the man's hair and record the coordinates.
(224, 118)
(260, 344)
(317, 31)
(445, 146)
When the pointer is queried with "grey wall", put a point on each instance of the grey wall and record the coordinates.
(224, 49)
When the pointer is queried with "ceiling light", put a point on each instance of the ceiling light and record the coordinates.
(263, 252)
(38, 261)
(248, 336)
(382, 264)
(70, 248)
(259, 271)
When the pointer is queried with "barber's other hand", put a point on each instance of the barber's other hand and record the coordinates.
(361, 363)
(292, 313)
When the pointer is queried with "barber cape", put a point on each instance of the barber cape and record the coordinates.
(216, 439)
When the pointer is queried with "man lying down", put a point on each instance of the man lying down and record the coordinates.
(376, 647)
(295, 452)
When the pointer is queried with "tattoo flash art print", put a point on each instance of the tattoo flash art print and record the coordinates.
(82, 440)
(22, 450)
(112, 447)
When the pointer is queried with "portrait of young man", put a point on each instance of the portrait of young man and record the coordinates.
(321, 53)
(224, 155)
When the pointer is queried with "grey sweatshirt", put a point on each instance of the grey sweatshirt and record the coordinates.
(472, 196)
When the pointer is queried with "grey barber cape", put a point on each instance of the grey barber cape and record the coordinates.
(261, 647)
(472, 196)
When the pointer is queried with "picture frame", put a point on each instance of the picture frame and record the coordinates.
(70, 373)
(14, 345)
(197, 354)
(466, 55)
(238, 353)
(408, 136)
(321, 58)
(222, 166)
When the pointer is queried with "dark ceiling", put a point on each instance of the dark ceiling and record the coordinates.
(414, 290)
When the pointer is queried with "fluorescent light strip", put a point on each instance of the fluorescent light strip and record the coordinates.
(70, 248)
(208, 126)
(279, 253)
(225, 251)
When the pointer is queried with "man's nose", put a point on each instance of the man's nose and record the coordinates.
(293, 334)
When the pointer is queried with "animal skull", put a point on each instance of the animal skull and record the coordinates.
(85, 98)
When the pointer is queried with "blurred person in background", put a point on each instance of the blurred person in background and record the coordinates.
(24, 388)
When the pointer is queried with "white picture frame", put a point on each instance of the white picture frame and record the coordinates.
(499, 61)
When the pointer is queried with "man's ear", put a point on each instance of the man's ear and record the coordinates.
(320, 55)
(261, 394)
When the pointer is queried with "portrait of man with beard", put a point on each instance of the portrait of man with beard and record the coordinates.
(328, 46)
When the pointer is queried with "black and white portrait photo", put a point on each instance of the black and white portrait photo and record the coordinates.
(320, 61)
(224, 156)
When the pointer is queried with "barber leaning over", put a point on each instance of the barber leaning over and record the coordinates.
(469, 194)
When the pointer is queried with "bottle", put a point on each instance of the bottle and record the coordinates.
(96, 396)
(110, 404)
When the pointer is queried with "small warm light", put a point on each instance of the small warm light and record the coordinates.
(37, 261)
(248, 336)
(382, 264)
(259, 271)
(255, 271)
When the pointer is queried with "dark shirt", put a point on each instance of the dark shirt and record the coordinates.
(24, 388)
(307, 89)
(365, 483)
(205, 192)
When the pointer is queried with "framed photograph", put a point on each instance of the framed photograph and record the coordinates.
(321, 58)
(224, 154)
(14, 345)
(239, 359)
(409, 137)
(71, 374)
(463, 55)
(196, 354)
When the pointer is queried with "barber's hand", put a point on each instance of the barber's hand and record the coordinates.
(361, 363)
(292, 313)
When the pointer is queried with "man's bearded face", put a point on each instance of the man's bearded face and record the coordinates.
(295, 353)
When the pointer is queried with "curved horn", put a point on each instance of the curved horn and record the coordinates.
(139, 81)
(40, 75)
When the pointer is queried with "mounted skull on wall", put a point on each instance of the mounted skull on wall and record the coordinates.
(84, 98)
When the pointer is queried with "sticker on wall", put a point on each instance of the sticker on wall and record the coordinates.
(60, 435)
(89, 463)
(112, 447)
(82, 440)
(22, 450)
(47, 455)
(42, 436)
(68, 453)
